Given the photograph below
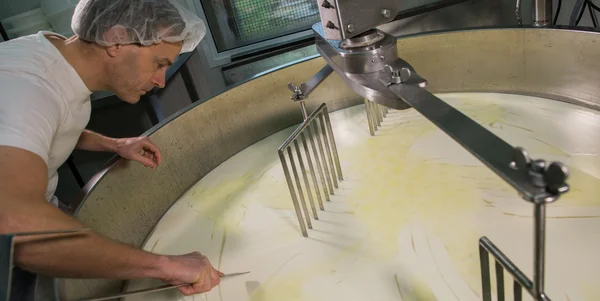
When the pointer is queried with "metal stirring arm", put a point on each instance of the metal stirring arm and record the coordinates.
(535, 180)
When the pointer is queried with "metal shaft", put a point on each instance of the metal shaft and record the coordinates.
(288, 178)
(299, 188)
(303, 109)
(312, 173)
(379, 112)
(542, 14)
(333, 145)
(373, 117)
(305, 177)
(318, 162)
(539, 249)
(517, 291)
(324, 162)
(319, 121)
(328, 150)
(374, 112)
(369, 118)
(499, 281)
(518, 12)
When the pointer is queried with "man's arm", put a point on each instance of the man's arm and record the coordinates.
(23, 178)
(139, 149)
(92, 141)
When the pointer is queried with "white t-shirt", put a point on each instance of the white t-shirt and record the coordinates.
(44, 104)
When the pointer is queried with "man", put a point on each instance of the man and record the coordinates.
(123, 46)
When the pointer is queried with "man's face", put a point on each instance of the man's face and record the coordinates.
(134, 70)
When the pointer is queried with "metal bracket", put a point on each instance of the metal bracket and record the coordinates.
(551, 177)
(298, 95)
(298, 92)
(401, 72)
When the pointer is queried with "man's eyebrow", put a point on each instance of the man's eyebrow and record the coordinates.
(164, 61)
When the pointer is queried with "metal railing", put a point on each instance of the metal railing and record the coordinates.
(326, 160)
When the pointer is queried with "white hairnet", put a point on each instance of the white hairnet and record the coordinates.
(140, 22)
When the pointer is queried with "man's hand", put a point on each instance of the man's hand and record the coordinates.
(193, 268)
(139, 149)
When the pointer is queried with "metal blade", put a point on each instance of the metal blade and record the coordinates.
(150, 290)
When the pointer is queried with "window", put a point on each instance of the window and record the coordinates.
(237, 23)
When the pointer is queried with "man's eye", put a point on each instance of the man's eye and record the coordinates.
(160, 66)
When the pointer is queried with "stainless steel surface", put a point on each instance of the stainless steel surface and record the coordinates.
(328, 150)
(318, 138)
(313, 146)
(375, 115)
(319, 120)
(51, 232)
(288, 179)
(301, 93)
(467, 14)
(518, 13)
(372, 127)
(149, 290)
(487, 247)
(303, 110)
(536, 287)
(499, 281)
(539, 249)
(312, 173)
(542, 13)
(306, 183)
(346, 19)
(359, 68)
(299, 188)
(334, 150)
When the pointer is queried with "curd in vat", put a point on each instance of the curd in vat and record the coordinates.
(405, 222)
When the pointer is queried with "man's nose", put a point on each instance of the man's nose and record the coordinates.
(159, 78)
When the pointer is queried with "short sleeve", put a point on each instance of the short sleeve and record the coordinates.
(29, 116)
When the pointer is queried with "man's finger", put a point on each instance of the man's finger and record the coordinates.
(215, 277)
(147, 162)
(150, 156)
(187, 290)
(148, 145)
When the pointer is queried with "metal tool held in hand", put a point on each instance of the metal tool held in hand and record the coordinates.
(150, 290)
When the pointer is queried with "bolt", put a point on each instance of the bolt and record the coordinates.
(350, 28)
(326, 4)
(404, 74)
(330, 25)
(386, 13)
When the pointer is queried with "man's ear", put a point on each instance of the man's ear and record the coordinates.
(116, 36)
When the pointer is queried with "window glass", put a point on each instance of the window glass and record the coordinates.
(236, 23)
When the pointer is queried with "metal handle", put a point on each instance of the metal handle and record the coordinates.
(149, 290)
